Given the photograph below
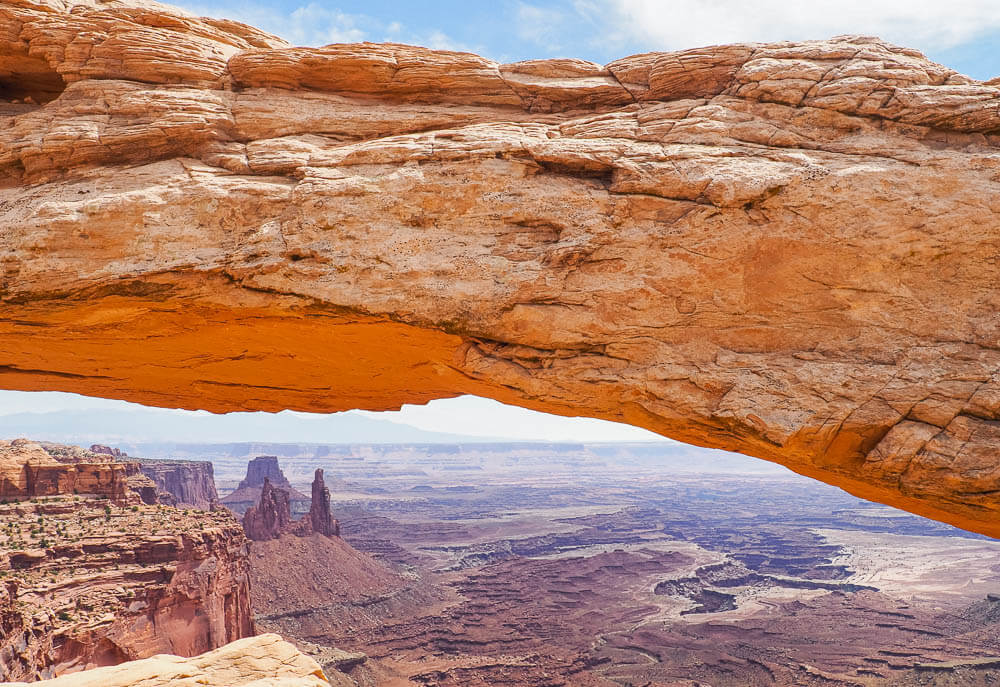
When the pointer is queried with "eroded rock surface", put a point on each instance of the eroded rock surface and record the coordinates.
(260, 471)
(187, 482)
(28, 471)
(787, 250)
(262, 661)
(90, 581)
(271, 517)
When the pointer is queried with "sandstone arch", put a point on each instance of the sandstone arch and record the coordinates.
(788, 250)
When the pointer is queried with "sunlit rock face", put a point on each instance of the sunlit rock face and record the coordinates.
(788, 250)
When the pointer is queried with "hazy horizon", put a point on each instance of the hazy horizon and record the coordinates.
(72, 418)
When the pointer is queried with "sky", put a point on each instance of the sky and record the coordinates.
(962, 34)
(466, 415)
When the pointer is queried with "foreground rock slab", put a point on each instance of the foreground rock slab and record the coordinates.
(261, 661)
(787, 250)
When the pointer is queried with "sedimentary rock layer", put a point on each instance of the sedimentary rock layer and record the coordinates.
(27, 471)
(788, 250)
(89, 585)
(90, 579)
(188, 482)
(260, 470)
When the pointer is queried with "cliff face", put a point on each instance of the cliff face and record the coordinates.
(260, 471)
(320, 519)
(28, 471)
(189, 483)
(787, 250)
(271, 517)
(90, 584)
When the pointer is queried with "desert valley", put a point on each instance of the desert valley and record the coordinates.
(489, 564)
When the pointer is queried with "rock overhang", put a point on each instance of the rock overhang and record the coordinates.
(787, 250)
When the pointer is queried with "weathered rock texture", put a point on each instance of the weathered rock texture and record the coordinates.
(260, 470)
(788, 250)
(187, 482)
(28, 471)
(262, 661)
(271, 517)
(320, 519)
(89, 584)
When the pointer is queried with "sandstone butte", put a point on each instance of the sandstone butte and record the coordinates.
(789, 250)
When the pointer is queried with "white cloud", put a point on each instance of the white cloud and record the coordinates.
(311, 24)
(539, 25)
(314, 24)
(675, 24)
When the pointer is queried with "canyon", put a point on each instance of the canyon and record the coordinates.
(495, 564)
(523, 564)
(93, 577)
(786, 250)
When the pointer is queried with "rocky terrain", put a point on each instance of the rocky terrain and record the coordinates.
(188, 483)
(784, 249)
(28, 470)
(535, 568)
(261, 470)
(92, 578)
(261, 661)
(271, 517)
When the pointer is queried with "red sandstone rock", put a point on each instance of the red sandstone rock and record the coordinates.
(248, 492)
(787, 250)
(272, 517)
(185, 483)
(106, 584)
(28, 471)
(320, 520)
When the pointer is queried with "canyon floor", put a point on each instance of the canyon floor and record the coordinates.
(643, 565)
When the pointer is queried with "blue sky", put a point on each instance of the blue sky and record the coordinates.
(963, 34)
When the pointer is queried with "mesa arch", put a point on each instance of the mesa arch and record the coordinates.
(787, 250)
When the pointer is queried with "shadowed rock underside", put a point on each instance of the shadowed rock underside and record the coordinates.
(787, 250)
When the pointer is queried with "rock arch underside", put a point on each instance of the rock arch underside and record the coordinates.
(787, 250)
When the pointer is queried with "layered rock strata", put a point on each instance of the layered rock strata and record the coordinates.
(787, 250)
(272, 516)
(187, 482)
(28, 471)
(262, 661)
(88, 583)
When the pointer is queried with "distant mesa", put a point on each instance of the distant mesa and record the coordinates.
(260, 470)
(271, 517)
(107, 450)
(183, 483)
(28, 470)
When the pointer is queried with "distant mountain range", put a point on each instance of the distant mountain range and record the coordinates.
(145, 425)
